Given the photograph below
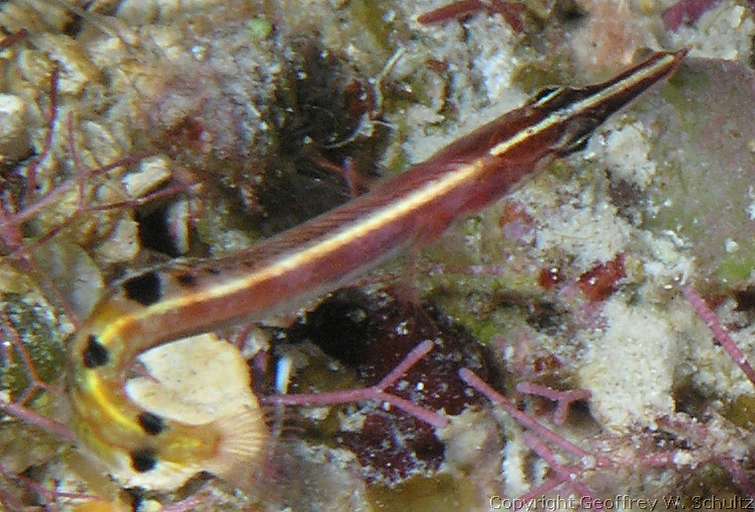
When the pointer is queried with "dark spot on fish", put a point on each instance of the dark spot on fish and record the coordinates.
(144, 289)
(95, 354)
(152, 424)
(212, 270)
(186, 279)
(143, 460)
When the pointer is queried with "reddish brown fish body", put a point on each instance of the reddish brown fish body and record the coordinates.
(280, 273)
(417, 206)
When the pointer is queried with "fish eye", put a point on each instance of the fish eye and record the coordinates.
(546, 93)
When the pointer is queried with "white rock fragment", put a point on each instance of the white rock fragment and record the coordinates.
(152, 173)
(77, 71)
(630, 367)
(107, 51)
(625, 151)
(682, 458)
(14, 139)
(420, 114)
(667, 261)
(516, 456)
(611, 34)
(469, 437)
(179, 225)
(122, 245)
(592, 233)
(474, 442)
(496, 62)
(100, 143)
(481, 62)
(724, 32)
(348, 422)
(74, 273)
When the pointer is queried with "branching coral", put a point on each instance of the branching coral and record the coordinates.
(376, 392)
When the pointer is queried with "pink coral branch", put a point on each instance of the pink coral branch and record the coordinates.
(541, 490)
(563, 398)
(14, 38)
(52, 117)
(526, 421)
(511, 12)
(700, 434)
(10, 501)
(187, 504)
(49, 496)
(412, 358)
(738, 475)
(429, 417)
(375, 393)
(58, 192)
(722, 336)
(32, 418)
(568, 474)
(454, 10)
(13, 335)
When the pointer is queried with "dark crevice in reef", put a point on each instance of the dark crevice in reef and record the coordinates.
(326, 102)
(370, 333)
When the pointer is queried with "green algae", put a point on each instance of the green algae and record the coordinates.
(741, 412)
(23, 446)
(260, 28)
(533, 77)
(41, 337)
(703, 191)
(370, 17)
(425, 494)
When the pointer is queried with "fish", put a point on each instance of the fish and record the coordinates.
(280, 274)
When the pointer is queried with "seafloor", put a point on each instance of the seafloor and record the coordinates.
(135, 132)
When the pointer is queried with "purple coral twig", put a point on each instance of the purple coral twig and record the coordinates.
(714, 447)
(527, 421)
(510, 11)
(13, 339)
(50, 496)
(738, 474)
(563, 398)
(535, 438)
(52, 119)
(719, 332)
(376, 392)
(566, 474)
(32, 418)
(541, 490)
(186, 504)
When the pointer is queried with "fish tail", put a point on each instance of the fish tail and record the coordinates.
(243, 438)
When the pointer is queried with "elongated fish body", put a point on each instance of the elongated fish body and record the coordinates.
(281, 273)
